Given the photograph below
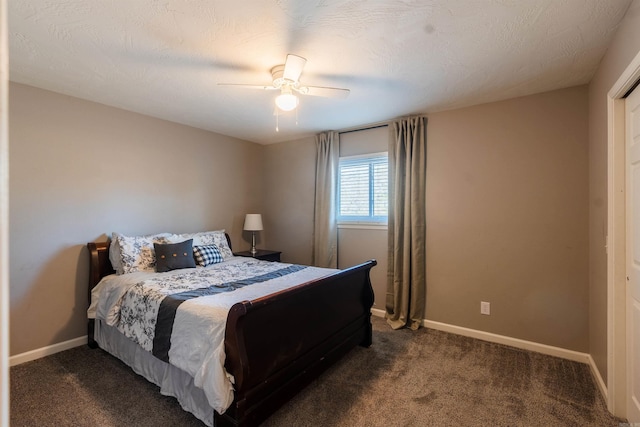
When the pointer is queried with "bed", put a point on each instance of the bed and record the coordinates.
(274, 345)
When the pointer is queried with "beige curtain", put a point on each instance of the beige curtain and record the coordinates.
(325, 230)
(406, 274)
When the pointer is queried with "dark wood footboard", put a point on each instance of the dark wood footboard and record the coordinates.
(278, 344)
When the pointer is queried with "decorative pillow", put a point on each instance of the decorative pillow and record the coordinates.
(207, 255)
(207, 238)
(137, 252)
(173, 256)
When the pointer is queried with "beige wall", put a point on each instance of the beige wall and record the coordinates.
(80, 170)
(289, 185)
(289, 191)
(507, 207)
(506, 218)
(357, 245)
(625, 46)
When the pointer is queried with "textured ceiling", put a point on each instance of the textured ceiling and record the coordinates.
(165, 58)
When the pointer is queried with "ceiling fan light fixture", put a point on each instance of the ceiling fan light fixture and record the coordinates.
(286, 101)
(286, 79)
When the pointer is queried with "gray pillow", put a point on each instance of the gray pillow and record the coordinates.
(173, 256)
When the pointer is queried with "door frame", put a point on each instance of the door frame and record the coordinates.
(616, 240)
(4, 216)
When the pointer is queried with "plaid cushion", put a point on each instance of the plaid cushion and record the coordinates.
(207, 255)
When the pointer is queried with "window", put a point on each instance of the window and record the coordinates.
(363, 191)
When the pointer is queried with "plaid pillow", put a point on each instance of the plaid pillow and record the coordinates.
(207, 255)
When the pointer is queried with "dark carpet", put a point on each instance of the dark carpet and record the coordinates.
(407, 378)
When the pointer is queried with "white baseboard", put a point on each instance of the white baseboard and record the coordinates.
(377, 312)
(501, 339)
(472, 333)
(46, 351)
(596, 374)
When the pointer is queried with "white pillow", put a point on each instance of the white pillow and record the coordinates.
(136, 252)
(205, 238)
(114, 253)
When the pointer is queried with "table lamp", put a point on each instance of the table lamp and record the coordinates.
(253, 223)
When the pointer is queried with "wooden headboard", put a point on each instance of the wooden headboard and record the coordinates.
(99, 264)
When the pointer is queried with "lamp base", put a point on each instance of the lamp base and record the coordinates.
(253, 243)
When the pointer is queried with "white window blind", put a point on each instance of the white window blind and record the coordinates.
(363, 188)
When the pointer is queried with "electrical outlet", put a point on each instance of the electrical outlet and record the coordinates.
(485, 308)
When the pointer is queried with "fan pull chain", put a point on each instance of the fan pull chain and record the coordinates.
(277, 115)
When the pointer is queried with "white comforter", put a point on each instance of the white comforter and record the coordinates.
(197, 338)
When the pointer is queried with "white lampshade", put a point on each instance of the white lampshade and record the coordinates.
(286, 101)
(253, 222)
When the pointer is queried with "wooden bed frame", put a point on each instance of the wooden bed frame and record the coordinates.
(277, 344)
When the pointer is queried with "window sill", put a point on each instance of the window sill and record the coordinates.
(356, 226)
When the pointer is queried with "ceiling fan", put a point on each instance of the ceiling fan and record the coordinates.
(286, 78)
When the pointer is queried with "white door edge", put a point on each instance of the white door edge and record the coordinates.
(616, 287)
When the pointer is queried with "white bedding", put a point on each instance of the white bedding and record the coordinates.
(197, 337)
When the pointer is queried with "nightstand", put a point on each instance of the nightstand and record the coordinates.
(261, 254)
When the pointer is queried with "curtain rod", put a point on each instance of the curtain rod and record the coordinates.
(376, 125)
(364, 128)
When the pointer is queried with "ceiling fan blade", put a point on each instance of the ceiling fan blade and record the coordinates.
(293, 67)
(327, 92)
(243, 86)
